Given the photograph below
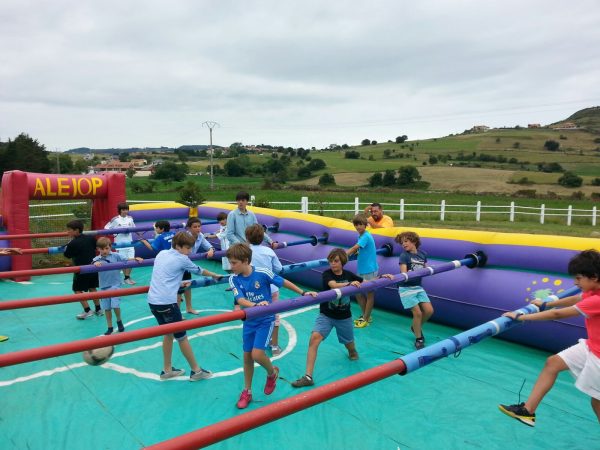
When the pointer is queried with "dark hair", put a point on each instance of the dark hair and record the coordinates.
(103, 242)
(255, 234)
(338, 253)
(360, 219)
(409, 236)
(164, 225)
(121, 206)
(240, 251)
(183, 238)
(376, 205)
(192, 220)
(221, 216)
(586, 263)
(75, 225)
(242, 195)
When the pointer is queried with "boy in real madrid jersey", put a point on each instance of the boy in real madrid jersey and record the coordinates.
(251, 287)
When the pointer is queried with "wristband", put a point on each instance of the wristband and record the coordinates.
(543, 306)
(519, 314)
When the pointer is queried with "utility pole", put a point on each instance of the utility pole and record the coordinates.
(211, 125)
(57, 161)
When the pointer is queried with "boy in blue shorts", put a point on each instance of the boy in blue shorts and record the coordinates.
(163, 238)
(109, 280)
(168, 269)
(252, 288)
(367, 268)
(412, 295)
(334, 314)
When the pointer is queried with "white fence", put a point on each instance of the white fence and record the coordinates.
(403, 210)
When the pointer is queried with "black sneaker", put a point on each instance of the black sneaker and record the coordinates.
(519, 412)
(419, 343)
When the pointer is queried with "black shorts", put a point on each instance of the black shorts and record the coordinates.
(168, 314)
(83, 282)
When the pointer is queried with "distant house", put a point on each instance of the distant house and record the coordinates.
(534, 125)
(479, 129)
(139, 162)
(113, 166)
(564, 126)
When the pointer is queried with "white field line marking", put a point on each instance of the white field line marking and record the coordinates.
(292, 342)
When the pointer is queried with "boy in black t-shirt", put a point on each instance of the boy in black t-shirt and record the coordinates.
(334, 314)
(82, 250)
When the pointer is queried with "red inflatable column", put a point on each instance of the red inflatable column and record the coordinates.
(104, 209)
(15, 215)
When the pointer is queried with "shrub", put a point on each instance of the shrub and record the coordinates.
(571, 180)
(326, 180)
(376, 179)
(527, 193)
(551, 145)
(578, 195)
(595, 182)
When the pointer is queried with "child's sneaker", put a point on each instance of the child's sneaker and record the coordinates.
(99, 312)
(120, 326)
(109, 331)
(203, 374)
(361, 323)
(85, 315)
(271, 383)
(275, 350)
(303, 381)
(419, 343)
(353, 355)
(128, 281)
(171, 373)
(519, 412)
(245, 399)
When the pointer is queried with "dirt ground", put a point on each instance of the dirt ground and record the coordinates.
(463, 179)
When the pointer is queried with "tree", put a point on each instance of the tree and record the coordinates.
(433, 160)
(351, 154)
(551, 145)
(170, 171)
(316, 164)
(389, 177)
(387, 153)
(64, 162)
(326, 180)
(304, 172)
(376, 179)
(233, 168)
(373, 142)
(190, 194)
(24, 153)
(80, 166)
(124, 157)
(130, 172)
(365, 142)
(571, 180)
(407, 175)
(401, 139)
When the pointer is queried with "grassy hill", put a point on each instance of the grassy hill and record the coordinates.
(588, 118)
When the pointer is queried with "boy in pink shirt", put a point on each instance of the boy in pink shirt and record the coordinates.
(583, 358)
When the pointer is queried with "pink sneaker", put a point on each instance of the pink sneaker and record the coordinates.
(245, 399)
(271, 383)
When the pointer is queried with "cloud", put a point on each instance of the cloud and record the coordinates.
(302, 74)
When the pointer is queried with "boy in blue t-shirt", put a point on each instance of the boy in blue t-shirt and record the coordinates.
(163, 239)
(110, 280)
(412, 295)
(252, 287)
(168, 269)
(367, 268)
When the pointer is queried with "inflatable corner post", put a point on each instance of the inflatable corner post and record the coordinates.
(106, 190)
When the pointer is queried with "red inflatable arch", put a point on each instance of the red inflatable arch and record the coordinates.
(106, 190)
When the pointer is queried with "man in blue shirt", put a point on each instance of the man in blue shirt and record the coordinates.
(241, 218)
(168, 269)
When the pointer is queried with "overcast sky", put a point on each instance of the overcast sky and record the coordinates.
(147, 73)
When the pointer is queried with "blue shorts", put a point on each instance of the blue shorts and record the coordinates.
(343, 327)
(411, 296)
(369, 276)
(168, 314)
(257, 334)
(110, 303)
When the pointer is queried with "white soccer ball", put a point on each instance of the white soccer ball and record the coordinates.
(98, 356)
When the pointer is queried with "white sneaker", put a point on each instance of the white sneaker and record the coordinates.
(99, 312)
(129, 281)
(84, 315)
(275, 350)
